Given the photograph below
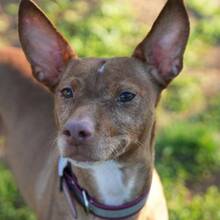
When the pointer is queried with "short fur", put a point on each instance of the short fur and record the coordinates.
(116, 139)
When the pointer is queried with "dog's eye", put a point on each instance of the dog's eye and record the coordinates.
(126, 97)
(67, 93)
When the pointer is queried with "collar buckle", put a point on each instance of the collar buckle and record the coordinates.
(85, 201)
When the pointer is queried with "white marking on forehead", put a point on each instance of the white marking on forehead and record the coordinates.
(101, 69)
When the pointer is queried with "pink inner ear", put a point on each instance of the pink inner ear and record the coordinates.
(47, 51)
(166, 53)
(160, 59)
(45, 48)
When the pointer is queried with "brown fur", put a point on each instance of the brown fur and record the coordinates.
(122, 132)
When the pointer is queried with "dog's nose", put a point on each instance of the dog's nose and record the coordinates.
(79, 131)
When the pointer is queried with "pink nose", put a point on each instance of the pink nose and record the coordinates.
(79, 130)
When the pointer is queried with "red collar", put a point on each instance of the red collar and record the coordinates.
(74, 192)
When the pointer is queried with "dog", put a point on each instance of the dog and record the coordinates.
(80, 133)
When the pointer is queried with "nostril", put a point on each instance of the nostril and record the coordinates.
(84, 134)
(67, 133)
(78, 130)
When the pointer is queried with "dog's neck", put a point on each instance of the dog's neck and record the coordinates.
(114, 182)
(111, 182)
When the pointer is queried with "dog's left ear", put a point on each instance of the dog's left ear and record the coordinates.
(165, 44)
(45, 48)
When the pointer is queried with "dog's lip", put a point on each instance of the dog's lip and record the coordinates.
(87, 164)
(72, 143)
(69, 144)
(76, 156)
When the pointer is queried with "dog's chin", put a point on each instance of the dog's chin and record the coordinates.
(83, 164)
(78, 156)
(81, 158)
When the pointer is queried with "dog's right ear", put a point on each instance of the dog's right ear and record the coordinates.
(164, 46)
(45, 48)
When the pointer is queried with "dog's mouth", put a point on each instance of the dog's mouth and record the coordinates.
(82, 164)
(109, 148)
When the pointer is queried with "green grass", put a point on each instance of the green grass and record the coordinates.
(12, 206)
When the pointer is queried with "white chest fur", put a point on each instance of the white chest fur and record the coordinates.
(110, 183)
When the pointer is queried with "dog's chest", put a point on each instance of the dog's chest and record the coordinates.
(111, 183)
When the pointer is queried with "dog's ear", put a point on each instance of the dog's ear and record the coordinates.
(45, 48)
(165, 44)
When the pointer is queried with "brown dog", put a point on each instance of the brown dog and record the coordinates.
(105, 113)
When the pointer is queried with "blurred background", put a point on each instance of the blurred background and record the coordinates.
(188, 137)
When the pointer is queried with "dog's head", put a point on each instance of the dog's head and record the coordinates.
(105, 107)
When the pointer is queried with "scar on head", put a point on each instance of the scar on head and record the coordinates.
(102, 67)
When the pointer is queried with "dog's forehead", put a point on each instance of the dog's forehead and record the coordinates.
(107, 70)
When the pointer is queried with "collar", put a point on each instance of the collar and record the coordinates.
(74, 192)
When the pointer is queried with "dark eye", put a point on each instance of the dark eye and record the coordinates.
(126, 97)
(67, 93)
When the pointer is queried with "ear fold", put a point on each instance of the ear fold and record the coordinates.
(165, 44)
(45, 48)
